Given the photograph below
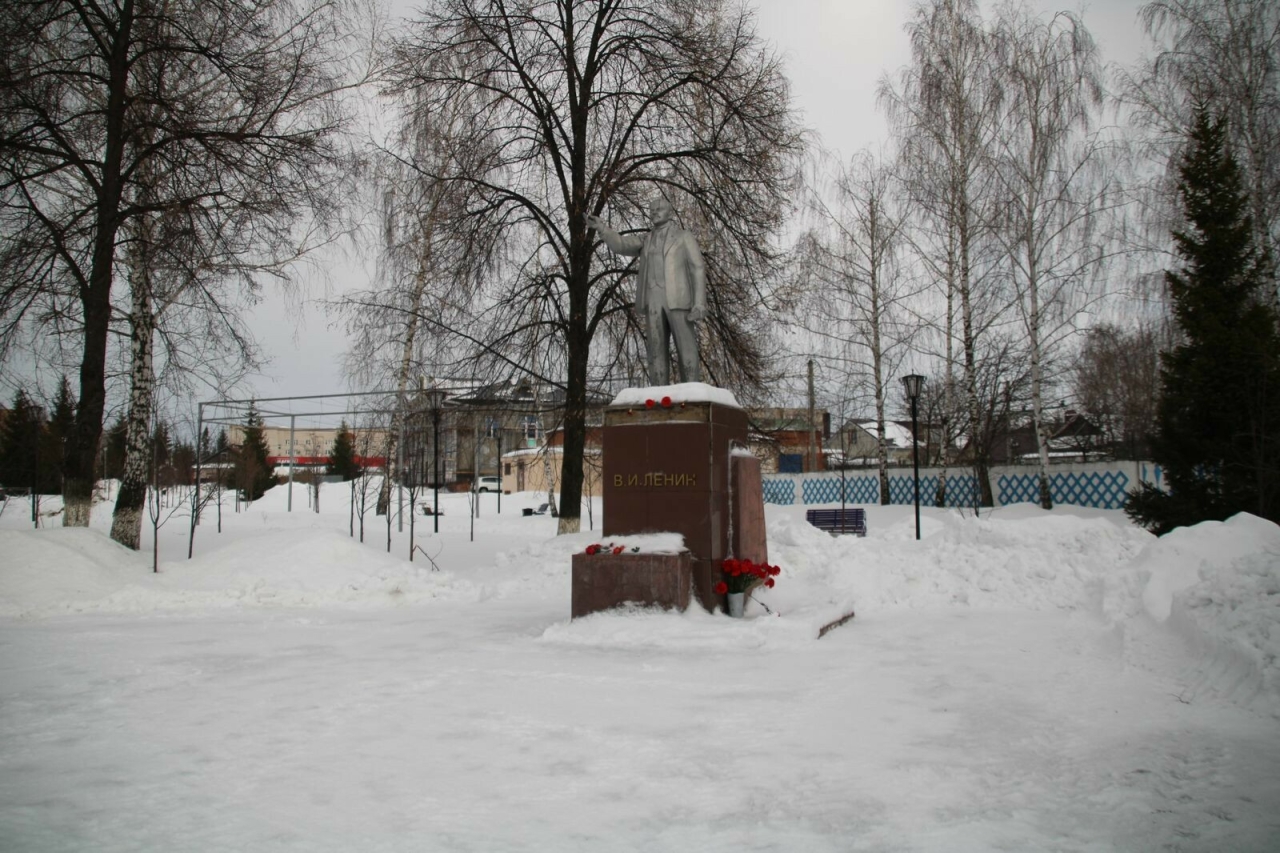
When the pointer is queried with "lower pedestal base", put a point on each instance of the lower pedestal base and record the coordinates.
(603, 581)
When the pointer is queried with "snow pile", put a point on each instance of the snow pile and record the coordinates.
(62, 570)
(59, 571)
(1020, 558)
(1215, 587)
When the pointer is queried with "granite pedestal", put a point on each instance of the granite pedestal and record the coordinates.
(672, 469)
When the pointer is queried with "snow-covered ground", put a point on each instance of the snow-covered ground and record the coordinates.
(1023, 681)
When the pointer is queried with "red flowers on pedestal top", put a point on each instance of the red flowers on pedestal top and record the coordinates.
(597, 548)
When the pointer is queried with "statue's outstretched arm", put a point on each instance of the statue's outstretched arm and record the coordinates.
(623, 245)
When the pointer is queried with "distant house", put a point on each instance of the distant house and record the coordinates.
(308, 447)
(535, 469)
(490, 430)
(1073, 439)
(780, 438)
(860, 440)
(1077, 435)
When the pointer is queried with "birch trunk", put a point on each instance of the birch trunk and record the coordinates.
(980, 470)
(406, 354)
(948, 388)
(1037, 401)
(402, 384)
(877, 367)
(126, 521)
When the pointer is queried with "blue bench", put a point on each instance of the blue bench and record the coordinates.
(836, 521)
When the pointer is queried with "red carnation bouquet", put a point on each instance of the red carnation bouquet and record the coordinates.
(744, 576)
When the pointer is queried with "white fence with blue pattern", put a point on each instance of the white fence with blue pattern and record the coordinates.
(1102, 485)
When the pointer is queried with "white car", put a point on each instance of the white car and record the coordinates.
(488, 484)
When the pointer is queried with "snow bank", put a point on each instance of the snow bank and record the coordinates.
(62, 570)
(1214, 588)
(1021, 558)
(68, 570)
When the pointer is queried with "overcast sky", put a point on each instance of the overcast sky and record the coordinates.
(835, 53)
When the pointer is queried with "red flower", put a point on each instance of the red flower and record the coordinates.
(618, 550)
(593, 549)
(648, 404)
(722, 588)
(745, 575)
(666, 402)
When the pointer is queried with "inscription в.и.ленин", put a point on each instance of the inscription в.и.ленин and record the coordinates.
(655, 478)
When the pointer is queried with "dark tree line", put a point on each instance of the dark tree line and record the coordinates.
(31, 442)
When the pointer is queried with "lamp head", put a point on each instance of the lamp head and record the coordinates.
(913, 383)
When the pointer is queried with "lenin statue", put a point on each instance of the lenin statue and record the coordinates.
(671, 290)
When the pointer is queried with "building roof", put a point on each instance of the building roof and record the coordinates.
(896, 434)
(777, 419)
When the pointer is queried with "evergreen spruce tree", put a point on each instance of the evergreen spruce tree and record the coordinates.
(54, 437)
(20, 445)
(161, 451)
(59, 432)
(253, 472)
(182, 463)
(113, 459)
(1218, 427)
(222, 455)
(342, 456)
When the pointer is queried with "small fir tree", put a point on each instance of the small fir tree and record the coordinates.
(253, 470)
(64, 413)
(57, 434)
(1218, 422)
(342, 456)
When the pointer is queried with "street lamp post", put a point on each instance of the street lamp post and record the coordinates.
(435, 465)
(495, 429)
(912, 383)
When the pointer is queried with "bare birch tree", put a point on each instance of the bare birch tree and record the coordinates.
(425, 270)
(1223, 55)
(944, 114)
(853, 256)
(1052, 185)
